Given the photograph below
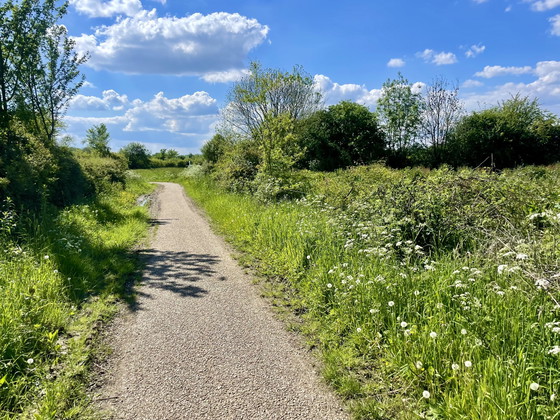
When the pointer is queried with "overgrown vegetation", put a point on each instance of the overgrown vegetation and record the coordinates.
(430, 294)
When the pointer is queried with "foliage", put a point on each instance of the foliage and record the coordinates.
(399, 109)
(429, 293)
(238, 166)
(215, 148)
(97, 140)
(137, 155)
(343, 135)
(58, 281)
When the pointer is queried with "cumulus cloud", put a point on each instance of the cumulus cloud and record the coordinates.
(543, 5)
(100, 8)
(225, 76)
(495, 71)
(333, 92)
(475, 50)
(396, 62)
(437, 58)
(186, 115)
(193, 45)
(545, 87)
(472, 83)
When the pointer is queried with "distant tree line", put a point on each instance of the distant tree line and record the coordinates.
(275, 123)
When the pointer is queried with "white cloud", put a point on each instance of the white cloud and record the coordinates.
(333, 92)
(480, 1)
(475, 50)
(225, 76)
(437, 58)
(187, 115)
(543, 5)
(555, 25)
(472, 83)
(193, 45)
(494, 71)
(110, 100)
(99, 8)
(396, 62)
(545, 88)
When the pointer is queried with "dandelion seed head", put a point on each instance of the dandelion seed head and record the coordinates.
(455, 366)
(464, 331)
(391, 303)
(46, 257)
(329, 285)
(416, 292)
(468, 363)
(426, 394)
(418, 364)
(359, 329)
(30, 361)
(404, 324)
(534, 386)
(433, 334)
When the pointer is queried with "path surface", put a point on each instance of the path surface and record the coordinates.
(201, 343)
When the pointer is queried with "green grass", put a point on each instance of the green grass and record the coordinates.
(429, 294)
(59, 279)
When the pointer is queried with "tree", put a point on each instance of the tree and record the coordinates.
(441, 111)
(137, 155)
(97, 139)
(515, 132)
(263, 98)
(215, 148)
(342, 135)
(399, 109)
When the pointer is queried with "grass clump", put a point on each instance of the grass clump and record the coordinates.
(60, 275)
(430, 294)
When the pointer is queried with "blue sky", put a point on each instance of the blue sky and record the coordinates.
(159, 70)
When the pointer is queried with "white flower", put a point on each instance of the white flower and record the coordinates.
(534, 386)
(468, 363)
(329, 285)
(309, 257)
(359, 329)
(464, 332)
(30, 361)
(501, 268)
(55, 271)
(404, 324)
(416, 292)
(372, 311)
(426, 394)
(521, 256)
(46, 257)
(554, 350)
(433, 334)
(455, 366)
(418, 364)
(391, 303)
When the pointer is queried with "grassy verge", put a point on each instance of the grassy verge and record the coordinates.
(58, 281)
(429, 294)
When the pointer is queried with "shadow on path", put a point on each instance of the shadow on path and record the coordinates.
(177, 272)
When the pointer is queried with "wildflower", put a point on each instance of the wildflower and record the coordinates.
(534, 386)
(329, 285)
(416, 292)
(55, 271)
(391, 303)
(309, 257)
(456, 272)
(501, 268)
(455, 366)
(464, 331)
(359, 329)
(404, 324)
(407, 333)
(46, 257)
(468, 363)
(521, 256)
(426, 394)
(372, 311)
(30, 361)
(433, 334)
(554, 350)
(418, 364)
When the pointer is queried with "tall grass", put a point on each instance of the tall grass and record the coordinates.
(430, 294)
(58, 279)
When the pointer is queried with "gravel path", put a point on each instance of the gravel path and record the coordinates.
(201, 343)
